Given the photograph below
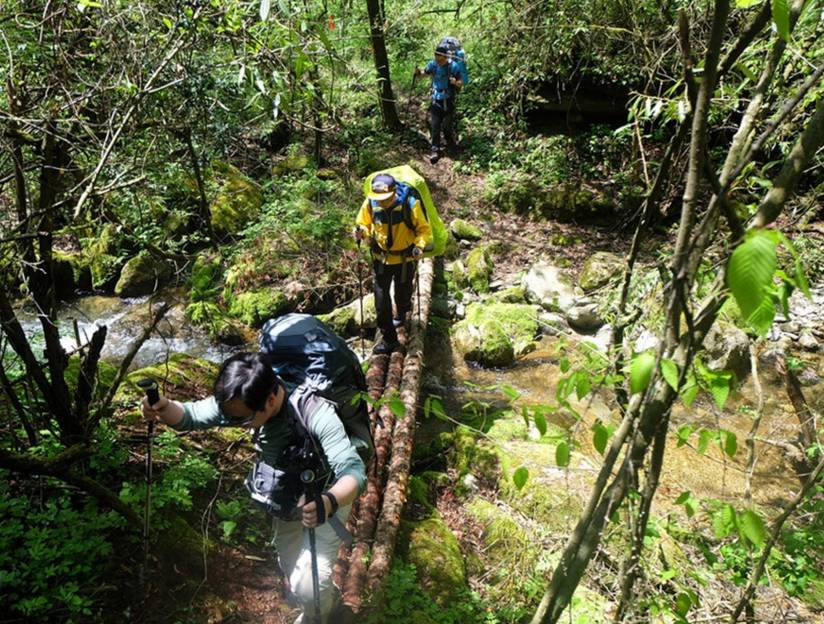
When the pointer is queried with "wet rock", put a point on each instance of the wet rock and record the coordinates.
(142, 275)
(552, 324)
(463, 230)
(728, 348)
(548, 286)
(584, 317)
(601, 339)
(646, 341)
(598, 269)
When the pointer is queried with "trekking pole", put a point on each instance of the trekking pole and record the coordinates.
(360, 302)
(149, 386)
(307, 477)
(418, 291)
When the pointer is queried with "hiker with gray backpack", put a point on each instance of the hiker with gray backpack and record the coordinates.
(302, 396)
(448, 74)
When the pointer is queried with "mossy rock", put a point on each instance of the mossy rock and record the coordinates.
(493, 334)
(326, 173)
(346, 320)
(106, 374)
(469, 455)
(598, 269)
(142, 275)
(479, 269)
(70, 272)
(458, 275)
(255, 307)
(451, 251)
(292, 164)
(513, 294)
(463, 230)
(238, 199)
(434, 551)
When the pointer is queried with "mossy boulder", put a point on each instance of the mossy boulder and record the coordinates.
(451, 251)
(142, 275)
(458, 275)
(598, 269)
(493, 334)
(346, 320)
(291, 164)
(255, 307)
(463, 230)
(479, 269)
(513, 294)
(238, 199)
(434, 551)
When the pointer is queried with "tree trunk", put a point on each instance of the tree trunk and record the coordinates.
(389, 112)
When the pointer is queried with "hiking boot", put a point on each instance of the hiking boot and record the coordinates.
(385, 347)
(434, 156)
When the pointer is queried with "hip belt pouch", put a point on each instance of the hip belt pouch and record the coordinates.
(274, 491)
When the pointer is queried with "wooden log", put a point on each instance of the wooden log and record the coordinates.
(398, 478)
(370, 501)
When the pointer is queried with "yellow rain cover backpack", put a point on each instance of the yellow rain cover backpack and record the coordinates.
(404, 174)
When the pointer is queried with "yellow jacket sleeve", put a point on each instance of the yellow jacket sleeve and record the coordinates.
(364, 218)
(423, 231)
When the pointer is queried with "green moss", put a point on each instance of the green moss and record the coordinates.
(102, 256)
(237, 201)
(599, 268)
(479, 269)
(814, 594)
(434, 551)
(71, 271)
(293, 163)
(346, 320)
(255, 307)
(464, 230)
(469, 455)
(493, 334)
(418, 493)
(513, 294)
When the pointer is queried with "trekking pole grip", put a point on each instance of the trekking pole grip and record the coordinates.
(149, 386)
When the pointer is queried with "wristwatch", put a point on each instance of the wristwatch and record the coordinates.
(333, 502)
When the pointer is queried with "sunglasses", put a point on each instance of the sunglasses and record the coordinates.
(243, 421)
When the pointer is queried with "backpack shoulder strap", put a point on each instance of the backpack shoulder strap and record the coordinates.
(411, 198)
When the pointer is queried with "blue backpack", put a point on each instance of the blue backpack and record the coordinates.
(457, 55)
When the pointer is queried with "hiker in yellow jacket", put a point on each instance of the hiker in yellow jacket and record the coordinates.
(392, 219)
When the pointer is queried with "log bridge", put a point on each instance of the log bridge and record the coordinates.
(375, 517)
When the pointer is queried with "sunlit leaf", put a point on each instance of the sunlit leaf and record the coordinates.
(683, 434)
(752, 527)
(781, 18)
(704, 437)
(582, 385)
(750, 272)
(265, 5)
(520, 476)
(562, 454)
(564, 365)
(540, 423)
(683, 603)
(600, 437)
(724, 521)
(669, 370)
(746, 4)
(640, 371)
(511, 393)
(730, 443)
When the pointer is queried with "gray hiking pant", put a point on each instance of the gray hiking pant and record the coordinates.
(295, 559)
(442, 120)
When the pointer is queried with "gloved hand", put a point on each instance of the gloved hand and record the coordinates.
(359, 233)
(417, 252)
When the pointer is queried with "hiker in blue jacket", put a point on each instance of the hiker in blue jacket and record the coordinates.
(448, 75)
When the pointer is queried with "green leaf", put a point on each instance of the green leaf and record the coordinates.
(669, 370)
(720, 384)
(600, 437)
(582, 385)
(781, 18)
(704, 437)
(683, 434)
(397, 407)
(750, 270)
(683, 498)
(724, 521)
(730, 443)
(752, 526)
(511, 393)
(640, 371)
(562, 454)
(690, 390)
(746, 4)
(265, 5)
(761, 319)
(683, 603)
(540, 423)
(564, 364)
(520, 476)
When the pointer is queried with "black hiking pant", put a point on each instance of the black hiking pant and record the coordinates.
(403, 275)
(442, 119)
